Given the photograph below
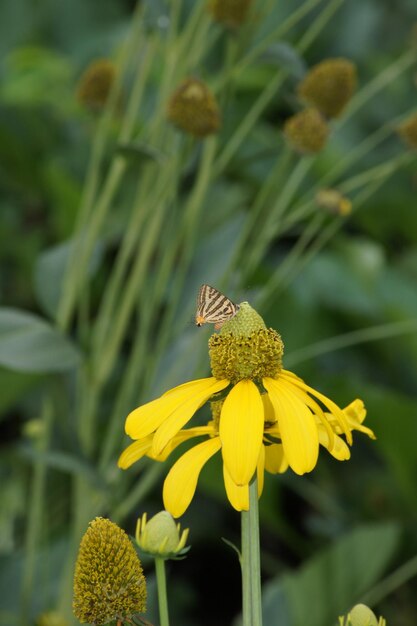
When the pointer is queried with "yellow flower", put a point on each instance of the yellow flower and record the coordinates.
(265, 418)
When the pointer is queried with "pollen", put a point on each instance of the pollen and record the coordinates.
(253, 356)
(193, 109)
(307, 131)
(329, 86)
(108, 583)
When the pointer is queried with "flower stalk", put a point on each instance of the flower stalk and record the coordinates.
(161, 584)
(250, 561)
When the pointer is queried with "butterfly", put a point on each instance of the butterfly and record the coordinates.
(213, 307)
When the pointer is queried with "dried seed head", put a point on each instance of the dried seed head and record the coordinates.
(193, 108)
(307, 131)
(329, 86)
(108, 582)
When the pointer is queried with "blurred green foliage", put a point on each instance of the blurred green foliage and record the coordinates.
(327, 539)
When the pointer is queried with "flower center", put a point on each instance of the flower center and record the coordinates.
(245, 348)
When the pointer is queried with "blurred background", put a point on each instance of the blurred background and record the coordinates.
(342, 534)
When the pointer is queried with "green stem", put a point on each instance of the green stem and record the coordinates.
(250, 561)
(35, 514)
(162, 591)
(318, 25)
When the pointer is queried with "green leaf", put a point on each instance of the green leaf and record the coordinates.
(331, 582)
(29, 344)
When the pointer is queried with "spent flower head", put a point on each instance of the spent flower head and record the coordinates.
(264, 418)
(329, 86)
(231, 13)
(193, 108)
(108, 582)
(307, 131)
(161, 536)
(95, 84)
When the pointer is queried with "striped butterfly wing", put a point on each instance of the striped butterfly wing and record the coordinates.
(213, 307)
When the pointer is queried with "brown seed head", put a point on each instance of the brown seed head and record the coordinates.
(231, 13)
(94, 86)
(193, 108)
(329, 86)
(408, 131)
(307, 131)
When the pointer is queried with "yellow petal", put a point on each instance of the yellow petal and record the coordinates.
(275, 461)
(297, 426)
(269, 415)
(337, 447)
(134, 452)
(241, 430)
(335, 410)
(260, 471)
(238, 495)
(184, 412)
(181, 482)
(183, 435)
(356, 413)
(147, 418)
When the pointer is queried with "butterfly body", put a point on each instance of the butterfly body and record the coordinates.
(214, 307)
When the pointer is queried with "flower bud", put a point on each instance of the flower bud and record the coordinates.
(361, 615)
(95, 84)
(51, 618)
(160, 537)
(193, 108)
(108, 582)
(231, 13)
(334, 202)
(329, 86)
(307, 131)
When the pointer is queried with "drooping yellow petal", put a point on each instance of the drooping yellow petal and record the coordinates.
(184, 412)
(238, 495)
(180, 437)
(147, 418)
(260, 473)
(241, 429)
(337, 447)
(275, 461)
(269, 415)
(134, 452)
(297, 426)
(314, 406)
(181, 482)
(329, 404)
(356, 413)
